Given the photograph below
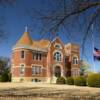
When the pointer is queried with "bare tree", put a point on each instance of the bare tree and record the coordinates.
(68, 15)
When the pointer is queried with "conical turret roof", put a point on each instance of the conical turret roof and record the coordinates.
(24, 40)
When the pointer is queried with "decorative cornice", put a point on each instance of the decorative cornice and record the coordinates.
(29, 47)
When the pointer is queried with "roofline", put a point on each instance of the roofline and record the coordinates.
(72, 44)
(59, 39)
(29, 47)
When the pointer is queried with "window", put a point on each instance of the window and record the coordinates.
(58, 46)
(75, 60)
(22, 69)
(33, 70)
(34, 55)
(37, 56)
(36, 80)
(75, 72)
(22, 54)
(36, 70)
(57, 56)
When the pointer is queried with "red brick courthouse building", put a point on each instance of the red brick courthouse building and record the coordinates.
(43, 61)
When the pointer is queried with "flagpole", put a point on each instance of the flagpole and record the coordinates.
(93, 49)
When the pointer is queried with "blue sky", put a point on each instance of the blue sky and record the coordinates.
(16, 18)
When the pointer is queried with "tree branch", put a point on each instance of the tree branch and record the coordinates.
(78, 11)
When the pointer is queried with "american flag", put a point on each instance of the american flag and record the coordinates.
(96, 54)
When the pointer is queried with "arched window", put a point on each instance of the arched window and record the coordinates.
(57, 56)
(75, 60)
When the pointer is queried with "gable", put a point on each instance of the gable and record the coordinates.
(57, 41)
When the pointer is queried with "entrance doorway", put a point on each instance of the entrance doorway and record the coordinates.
(57, 71)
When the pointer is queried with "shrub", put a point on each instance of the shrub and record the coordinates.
(0, 78)
(80, 81)
(94, 80)
(5, 77)
(60, 80)
(70, 81)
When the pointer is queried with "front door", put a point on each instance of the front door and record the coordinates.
(57, 71)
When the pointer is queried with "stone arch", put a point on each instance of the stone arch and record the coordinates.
(57, 70)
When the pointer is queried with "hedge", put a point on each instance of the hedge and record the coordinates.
(80, 81)
(60, 80)
(93, 80)
(70, 81)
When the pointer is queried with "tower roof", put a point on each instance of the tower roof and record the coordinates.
(24, 40)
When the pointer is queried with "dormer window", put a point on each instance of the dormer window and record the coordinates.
(22, 54)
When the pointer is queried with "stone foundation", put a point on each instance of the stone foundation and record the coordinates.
(32, 79)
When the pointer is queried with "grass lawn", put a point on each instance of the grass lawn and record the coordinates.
(41, 91)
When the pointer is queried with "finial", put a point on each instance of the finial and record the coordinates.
(26, 28)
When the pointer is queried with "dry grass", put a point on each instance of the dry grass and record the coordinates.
(22, 91)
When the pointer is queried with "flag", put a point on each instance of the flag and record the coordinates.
(96, 54)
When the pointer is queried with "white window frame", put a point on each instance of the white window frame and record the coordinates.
(21, 54)
(23, 69)
(37, 68)
(37, 56)
(75, 60)
(55, 56)
(75, 72)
